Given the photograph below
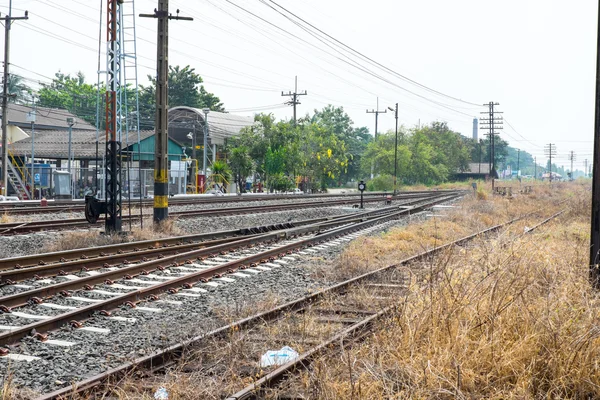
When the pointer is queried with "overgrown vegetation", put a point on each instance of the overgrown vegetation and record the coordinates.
(508, 316)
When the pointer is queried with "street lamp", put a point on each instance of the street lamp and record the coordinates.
(205, 111)
(71, 123)
(395, 150)
(31, 118)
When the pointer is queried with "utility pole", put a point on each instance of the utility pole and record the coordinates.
(294, 101)
(550, 150)
(595, 223)
(518, 161)
(585, 169)
(161, 158)
(31, 119)
(8, 19)
(480, 145)
(492, 122)
(376, 112)
(395, 151)
(572, 157)
(535, 168)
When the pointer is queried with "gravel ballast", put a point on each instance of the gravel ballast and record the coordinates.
(97, 352)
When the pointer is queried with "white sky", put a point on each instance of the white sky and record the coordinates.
(535, 57)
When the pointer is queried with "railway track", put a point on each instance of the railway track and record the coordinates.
(38, 266)
(14, 228)
(30, 207)
(342, 313)
(179, 276)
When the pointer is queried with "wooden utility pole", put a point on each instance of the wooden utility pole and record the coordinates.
(377, 112)
(294, 101)
(7, 24)
(161, 138)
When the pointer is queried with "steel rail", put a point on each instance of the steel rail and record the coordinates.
(34, 226)
(187, 280)
(134, 248)
(32, 206)
(158, 250)
(164, 356)
(253, 391)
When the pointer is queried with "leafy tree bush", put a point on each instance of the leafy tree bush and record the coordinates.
(381, 183)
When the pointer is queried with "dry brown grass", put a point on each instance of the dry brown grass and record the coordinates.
(510, 317)
(5, 218)
(82, 239)
(506, 316)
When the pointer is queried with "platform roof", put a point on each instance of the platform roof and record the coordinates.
(220, 125)
(45, 118)
(55, 144)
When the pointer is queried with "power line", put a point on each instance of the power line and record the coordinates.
(369, 59)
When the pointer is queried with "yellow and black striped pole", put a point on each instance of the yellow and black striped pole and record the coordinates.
(161, 148)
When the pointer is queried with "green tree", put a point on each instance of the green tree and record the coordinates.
(337, 122)
(185, 89)
(241, 165)
(71, 93)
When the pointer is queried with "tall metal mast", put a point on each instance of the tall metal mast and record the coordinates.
(113, 119)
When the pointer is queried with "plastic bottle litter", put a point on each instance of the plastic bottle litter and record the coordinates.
(161, 394)
(278, 357)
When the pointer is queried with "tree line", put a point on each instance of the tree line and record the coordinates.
(322, 149)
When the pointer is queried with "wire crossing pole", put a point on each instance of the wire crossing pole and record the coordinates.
(294, 101)
(376, 112)
(395, 150)
(492, 123)
(550, 151)
(7, 24)
(595, 225)
(572, 157)
(161, 157)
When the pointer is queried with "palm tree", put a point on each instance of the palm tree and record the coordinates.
(221, 173)
(18, 92)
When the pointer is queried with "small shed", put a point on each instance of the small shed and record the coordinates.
(474, 171)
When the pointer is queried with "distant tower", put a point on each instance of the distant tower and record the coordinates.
(475, 125)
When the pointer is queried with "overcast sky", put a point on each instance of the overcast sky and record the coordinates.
(534, 57)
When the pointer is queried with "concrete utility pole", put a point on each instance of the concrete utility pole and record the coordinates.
(550, 150)
(480, 145)
(535, 168)
(518, 160)
(7, 24)
(377, 112)
(492, 123)
(161, 158)
(395, 150)
(595, 225)
(294, 101)
(585, 169)
(572, 157)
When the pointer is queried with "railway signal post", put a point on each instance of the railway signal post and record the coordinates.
(161, 158)
(361, 186)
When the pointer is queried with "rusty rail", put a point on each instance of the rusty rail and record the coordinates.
(162, 357)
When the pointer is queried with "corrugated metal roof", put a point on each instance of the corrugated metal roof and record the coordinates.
(45, 118)
(220, 125)
(55, 144)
